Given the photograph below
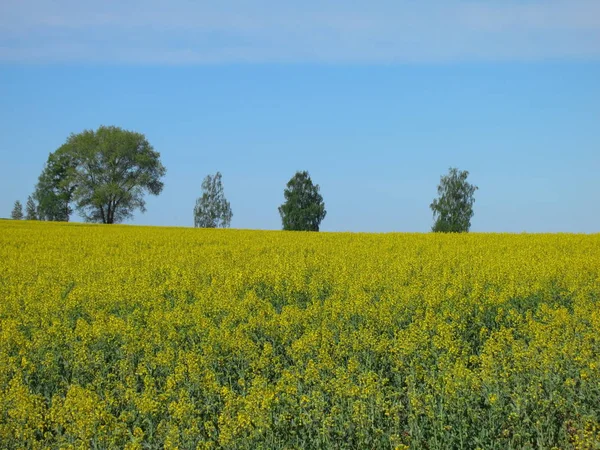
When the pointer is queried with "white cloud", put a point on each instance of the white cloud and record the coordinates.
(195, 32)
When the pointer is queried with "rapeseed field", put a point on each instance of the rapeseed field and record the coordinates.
(146, 338)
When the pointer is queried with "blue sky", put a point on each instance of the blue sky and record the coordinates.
(375, 99)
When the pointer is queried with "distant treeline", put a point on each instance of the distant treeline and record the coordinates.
(105, 174)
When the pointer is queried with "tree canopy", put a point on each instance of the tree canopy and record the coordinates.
(212, 210)
(30, 209)
(303, 209)
(56, 185)
(453, 209)
(17, 211)
(104, 173)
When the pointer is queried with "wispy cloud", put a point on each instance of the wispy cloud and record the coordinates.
(368, 31)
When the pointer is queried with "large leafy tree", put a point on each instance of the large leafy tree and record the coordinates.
(453, 209)
(17, 212)
(212, 210)
(303, 209)
(104, 173)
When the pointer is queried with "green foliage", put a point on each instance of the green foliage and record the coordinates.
(212, 210)
(31, 209)
(105, 173)
(55, 187)
(453, 209)
(303, 209)
(17, 212)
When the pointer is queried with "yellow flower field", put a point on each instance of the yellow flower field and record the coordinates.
(143, 338)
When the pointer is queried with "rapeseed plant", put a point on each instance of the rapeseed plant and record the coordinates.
(138, 337)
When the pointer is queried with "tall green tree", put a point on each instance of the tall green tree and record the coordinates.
(56, 186)
(303, 209)
(17, 211)
(212, 210)
(453, 209)
(104, 174)
(30, 209)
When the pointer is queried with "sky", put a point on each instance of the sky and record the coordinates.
(376, 99)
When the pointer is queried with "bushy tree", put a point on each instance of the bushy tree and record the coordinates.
(212, 210)
(56, 186)
(17, 212)
(30, 209)
(303, 209)
(453, 209)
(104, 173)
